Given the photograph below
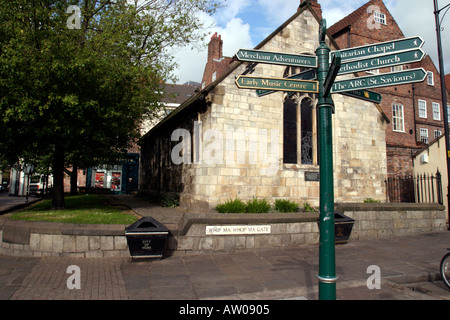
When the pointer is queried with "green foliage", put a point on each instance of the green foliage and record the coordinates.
(283, 205)
(169, 199)
(257, 206)
(309, 208)
(371, 200)
(79, 96)
(231, 206)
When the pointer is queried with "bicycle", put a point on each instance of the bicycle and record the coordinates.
(445, 269)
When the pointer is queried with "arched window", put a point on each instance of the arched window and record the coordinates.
(306, 127)
(299, 126)
(290, 131)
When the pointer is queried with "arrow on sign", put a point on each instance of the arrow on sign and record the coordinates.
(388, 60)
(364, 95)
(286, 59)
(332, 73)
(382, 80)
(249, 82)
(381, 48)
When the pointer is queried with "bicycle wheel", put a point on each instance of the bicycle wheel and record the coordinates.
(445, 270)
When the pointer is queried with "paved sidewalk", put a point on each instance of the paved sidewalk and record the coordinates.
(281, 273)
(8, 204)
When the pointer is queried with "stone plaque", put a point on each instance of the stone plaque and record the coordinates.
(312, 176)
(237, 229)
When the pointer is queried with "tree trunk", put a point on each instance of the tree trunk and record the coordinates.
(74, 180)
(58, 178)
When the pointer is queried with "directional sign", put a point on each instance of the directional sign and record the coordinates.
(388, 60)
(286, 59)
(305, 75)
(332, 73)
(382, 80)
(381, 48)
(277, 84)
(364, 95)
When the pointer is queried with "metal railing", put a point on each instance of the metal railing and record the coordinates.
(421, 188)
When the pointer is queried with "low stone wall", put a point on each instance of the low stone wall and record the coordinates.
(62, 239)
(373, 220)
(204, 232)
(215, 232)
(212, 232)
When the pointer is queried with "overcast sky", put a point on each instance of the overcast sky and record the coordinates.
(245, 23)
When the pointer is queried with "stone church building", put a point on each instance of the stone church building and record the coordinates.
(225, 142)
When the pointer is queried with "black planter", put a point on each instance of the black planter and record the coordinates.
(146, 238)
(342, 227)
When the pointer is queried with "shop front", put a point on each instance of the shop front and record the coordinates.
(116, 179)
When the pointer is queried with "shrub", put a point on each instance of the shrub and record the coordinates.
(370, 200)
(257, 206)
(169, 199)
(309, 208)
(231, 206)
(282, 205)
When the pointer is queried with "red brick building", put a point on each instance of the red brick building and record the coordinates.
(216, 64)
(415, 111)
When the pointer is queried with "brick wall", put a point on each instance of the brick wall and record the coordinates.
(356, 30)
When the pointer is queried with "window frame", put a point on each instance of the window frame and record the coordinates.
(430, 83)
(379, 17)
(422, 112)
(423, 137)
(398, 119)
(436, 107)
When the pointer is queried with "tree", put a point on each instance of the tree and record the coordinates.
(77, 78)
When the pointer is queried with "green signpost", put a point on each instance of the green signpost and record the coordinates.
(381, 48)
(381, 80)
(285, 59)
(345, 61)
(277, 84)
(364, 95)
(382, 61)
(327, 262)
(305, 75)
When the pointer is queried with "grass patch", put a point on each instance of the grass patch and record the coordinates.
(89, 209)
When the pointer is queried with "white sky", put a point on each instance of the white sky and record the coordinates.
(245, 23)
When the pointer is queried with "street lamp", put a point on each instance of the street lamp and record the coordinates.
(28, 169)
(444, 98)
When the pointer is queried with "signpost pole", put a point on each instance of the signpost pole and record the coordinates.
(444, 102)
(327, 264)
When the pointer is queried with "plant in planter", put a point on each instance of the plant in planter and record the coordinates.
(309, 208)
(282, 205)
(231, 206)
(257, 206)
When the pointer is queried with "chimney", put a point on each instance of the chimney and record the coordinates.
(215, 48)
(314, 5)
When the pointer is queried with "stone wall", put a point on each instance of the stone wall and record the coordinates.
(371, 221)
(394, 219)
(62, 239)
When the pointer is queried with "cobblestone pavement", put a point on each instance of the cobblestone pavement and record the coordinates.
(406, 264)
